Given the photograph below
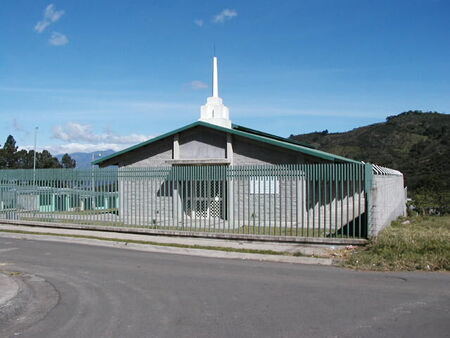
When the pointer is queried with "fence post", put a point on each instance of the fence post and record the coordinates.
(368, 181)
(229, 179)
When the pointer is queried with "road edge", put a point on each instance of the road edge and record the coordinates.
(123, 244)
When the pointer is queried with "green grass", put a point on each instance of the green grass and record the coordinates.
(177, 245)
(421, 244)
(73, 221)
(283, 231)
(74, 212)
(245, 229)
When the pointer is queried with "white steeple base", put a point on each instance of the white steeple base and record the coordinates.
(215, 112)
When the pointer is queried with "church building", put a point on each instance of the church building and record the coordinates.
(228, 176)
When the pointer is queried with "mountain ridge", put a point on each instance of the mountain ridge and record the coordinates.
(83, 160)
(414, 142)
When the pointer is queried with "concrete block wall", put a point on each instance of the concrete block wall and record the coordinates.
(202, 143)
(388, 201)
(250, 152)
(291, 206)
(145, 202)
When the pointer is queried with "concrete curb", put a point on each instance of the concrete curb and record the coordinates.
(173, 250)
(317, 250)
(210, 235)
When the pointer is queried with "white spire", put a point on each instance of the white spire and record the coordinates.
(215, 78)
(214, 111)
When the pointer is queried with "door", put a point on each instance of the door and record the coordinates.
(204, 199)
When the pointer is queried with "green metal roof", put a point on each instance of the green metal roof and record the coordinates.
(239, 131)
(276, 137)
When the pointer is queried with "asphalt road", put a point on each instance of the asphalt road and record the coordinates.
(93, 291)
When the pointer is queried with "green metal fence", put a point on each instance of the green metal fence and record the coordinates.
(314, 200)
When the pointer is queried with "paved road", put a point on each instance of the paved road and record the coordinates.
(108, 292)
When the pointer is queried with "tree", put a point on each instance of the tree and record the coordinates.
(24, 159)
(68, 162)
(46, 160)
(2, 159)
(9, 156)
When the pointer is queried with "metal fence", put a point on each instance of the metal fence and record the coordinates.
(314, 200)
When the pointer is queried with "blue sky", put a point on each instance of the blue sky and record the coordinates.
(107, 74)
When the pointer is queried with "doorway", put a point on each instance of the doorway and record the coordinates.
(204, 199)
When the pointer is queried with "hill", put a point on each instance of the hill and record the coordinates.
(83, 160)
(416, 143)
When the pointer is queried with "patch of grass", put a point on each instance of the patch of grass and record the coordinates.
(114, 211)
(244, 229)
(282, 231)
(177, 245)
(187, 227)
(416, 243)
(11, 273)
(73, 221)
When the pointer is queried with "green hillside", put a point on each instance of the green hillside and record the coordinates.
(416, 143)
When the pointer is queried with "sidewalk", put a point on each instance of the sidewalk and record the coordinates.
(216, 248)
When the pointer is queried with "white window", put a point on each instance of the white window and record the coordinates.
(264, 185)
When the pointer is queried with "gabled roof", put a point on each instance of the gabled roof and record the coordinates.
(243, 132)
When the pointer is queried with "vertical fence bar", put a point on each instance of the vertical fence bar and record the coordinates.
(191, 192)
(260, 193)
(247, 178)
(286, 182)
(182, 197)
(239, 182)
(315, 203)
(319, 198)
(353, 200)
(347, 173)
(359, 199)
(330, 198)
(307, 198)
(368, 181)
(234, 198)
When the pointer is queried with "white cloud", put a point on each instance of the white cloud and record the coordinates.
(51, 15)
(198, 85)
(84, 147)
(82, 138)
(58, 39)
(75, 147)
(225, 15)
(77, 132)
(199, 22)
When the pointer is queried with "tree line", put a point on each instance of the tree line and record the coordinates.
(12, 158)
